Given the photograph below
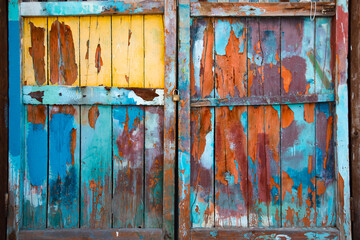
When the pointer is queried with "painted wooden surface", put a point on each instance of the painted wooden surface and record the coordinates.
(66, 95)
(91, 8)
(128, 148)
(222, 8)
(36, 167)
(153, 166)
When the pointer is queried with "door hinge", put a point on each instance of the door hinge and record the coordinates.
(352, 211)
(6, 204)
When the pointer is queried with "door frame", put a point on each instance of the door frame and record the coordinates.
(188, 9)
(16, 115)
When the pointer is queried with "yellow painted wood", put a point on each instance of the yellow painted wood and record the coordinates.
(74, 25)
(28, 66)
(120, 50)
(128, 51)
(95, 34)
(154, 51)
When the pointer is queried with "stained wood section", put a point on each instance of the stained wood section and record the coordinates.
(128, 51)
(128, 150)
(264, 166)
(230, 58)
(95, 51)
(298, 178)
(154, 166)
(263, 56)
(63, 35)
(92, 234)
(261, 233)
(323, 60)
(36, 167)
(35, 46)
(297, 48)
(202, 58)
(231, 188)
(64, 167)
(202, 167)
(325, 165)
(243, 9)
(95, 167)
(154, 51)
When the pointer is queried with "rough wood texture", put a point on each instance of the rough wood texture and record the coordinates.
(4, 118)
(223, 9)
(355, 114)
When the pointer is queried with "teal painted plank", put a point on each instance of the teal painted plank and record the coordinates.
(36, 167)
(325, 166)
(297, 49)
(154, 165)
(323, 59)
(64, 167)
(90, 8)
(95, 167)
(298, 165)
(202, 58)
(65, 95)
(202, 167)
(128, 157)
(264, 166)
(231, 181)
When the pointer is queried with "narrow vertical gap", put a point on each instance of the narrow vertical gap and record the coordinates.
(144, 166)
(280, 159)
(214, 108)
(247, 123)
(80, 126)
(315, 163)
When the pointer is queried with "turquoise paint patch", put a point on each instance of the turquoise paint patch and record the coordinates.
(214, 233)
(222, 36)
(13, 12)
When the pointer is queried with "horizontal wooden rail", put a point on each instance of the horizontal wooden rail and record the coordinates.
(63, 95)
(261, 233)
(212, 9)
(262, 100)
(72, 8)
(119, 234)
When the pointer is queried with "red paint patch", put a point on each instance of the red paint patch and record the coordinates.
(98, 59)
(93, 115)
(36, 114)
(37, 52)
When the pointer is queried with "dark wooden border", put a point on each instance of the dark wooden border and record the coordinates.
(355, 113)
(3, 115)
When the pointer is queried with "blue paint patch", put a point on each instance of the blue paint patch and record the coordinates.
(36, 152)
(214, 233)
(222, 36)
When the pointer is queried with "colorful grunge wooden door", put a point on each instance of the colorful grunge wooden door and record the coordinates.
(95, 154)
(263, 132)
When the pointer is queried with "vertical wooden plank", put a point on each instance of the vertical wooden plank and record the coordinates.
(264, 166)
(36, 167)
(35, 51)
(263, 56)
(297, 49)
(230, 58)
(95, 51)
(128, 154)
(16, 124)
(298, 165)
(325, 166)
(202, 167)
(64, 167)
(354, 92)
(154, 51)
(184, 219)
(154, 164)
(231, 188)
(64, 51)
(95, 167)
(128, 51)
(170, 119)
(323, 60)
(202, 58)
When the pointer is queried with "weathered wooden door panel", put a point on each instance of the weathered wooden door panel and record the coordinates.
(96, 109)
(259, 157)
